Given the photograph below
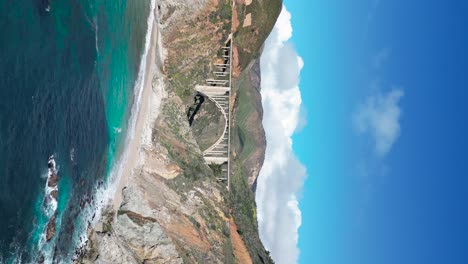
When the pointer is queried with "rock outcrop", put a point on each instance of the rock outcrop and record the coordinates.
(51, 227)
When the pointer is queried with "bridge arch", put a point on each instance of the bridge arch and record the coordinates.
(218, 152)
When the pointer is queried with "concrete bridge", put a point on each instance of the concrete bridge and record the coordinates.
(218, 152)
(218, 90)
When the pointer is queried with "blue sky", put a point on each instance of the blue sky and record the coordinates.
(383, 89)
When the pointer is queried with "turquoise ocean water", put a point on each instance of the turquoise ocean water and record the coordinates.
(67, 74)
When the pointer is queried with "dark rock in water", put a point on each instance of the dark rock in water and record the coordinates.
(51, 162)
(53, 179)
(40, 259)
(51, 228)
(43, 6)
(54, 194)
(46, 5)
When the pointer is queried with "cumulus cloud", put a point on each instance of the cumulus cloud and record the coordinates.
(379, 117)
(282, 175)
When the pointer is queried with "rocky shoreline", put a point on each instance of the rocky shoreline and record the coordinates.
(51, 198)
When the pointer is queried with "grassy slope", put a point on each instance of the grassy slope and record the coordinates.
(249, 42)
(244, 107)
(242, 197)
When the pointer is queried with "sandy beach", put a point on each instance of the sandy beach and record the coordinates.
(146, 113)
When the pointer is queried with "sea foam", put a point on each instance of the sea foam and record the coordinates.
(105, 192)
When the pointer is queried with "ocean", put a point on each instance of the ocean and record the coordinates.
(67, 75)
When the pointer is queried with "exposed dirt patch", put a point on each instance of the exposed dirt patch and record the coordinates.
(247, 20)
(159, 164)
(235, 20)
(240, 250)
(189, 235)
(235, 62)
(244, 2)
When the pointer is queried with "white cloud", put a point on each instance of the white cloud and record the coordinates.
(282, 175)
(379, 117)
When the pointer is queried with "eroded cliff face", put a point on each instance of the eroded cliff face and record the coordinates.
(173, 209)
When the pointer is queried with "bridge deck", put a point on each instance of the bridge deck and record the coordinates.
(219, 152)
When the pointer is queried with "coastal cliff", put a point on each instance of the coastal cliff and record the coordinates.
(169, 206)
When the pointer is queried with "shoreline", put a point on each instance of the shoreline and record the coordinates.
(132, 154)
(144, 112)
